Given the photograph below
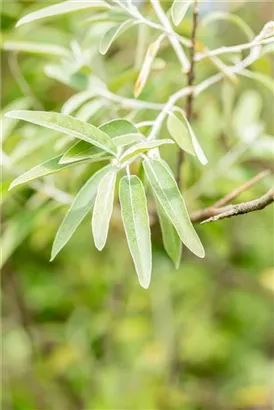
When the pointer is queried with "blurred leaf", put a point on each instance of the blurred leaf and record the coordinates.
(61, 8)
(8, 124)
(171, 240)
(35, 48)
(232, 18)
(247, 113)
(76, 80)
(110, 15)
(80, 207)
(112, 34)
(103, 209)
(136, 224)
(166, 191)
(141, 148)
(266, 80)
(68, 125)
(179, 9)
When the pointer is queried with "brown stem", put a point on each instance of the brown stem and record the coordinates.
(190, 80)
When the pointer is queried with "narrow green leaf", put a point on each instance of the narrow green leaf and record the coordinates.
(110, 15)
(113, 33)
(46, 168)
(89, 109)
(80, 207)
(74, 102)
(179, 132)
(179, 9)
(83, 150)
(114, 129)
(195, 143)
(61, 8)
(171, 240)
(142, 147)
(166, 191)
(136, 224)
(68, 125)
(266, 80)
(35, 48)
(103, 209)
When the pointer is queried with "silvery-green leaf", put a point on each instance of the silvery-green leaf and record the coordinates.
(142, 147)
(115, 129)
(110, 15)
(8, 124)
(76, 80)
(136, 224)
(74, 102)
(46, 168)
(83, 150)
(179, 9)
(179, 132)
(61, 8)
(68, 125)
(167, 193)
(80, 207)
(195, 143)
(146, 66)
(112, 34)
(171, 240)
(35, 48)
(103, 209)
(89, 109)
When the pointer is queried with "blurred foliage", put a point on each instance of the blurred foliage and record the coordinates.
(79, 333)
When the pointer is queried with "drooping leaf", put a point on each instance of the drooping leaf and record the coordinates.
(179, 132)
(195, 143)
(61, 8)
(46, 168)
(171, 240)
(136, 224)
(83, 150)
(142, 147)
(35, 48)
(113, 33)
(166, 191)
(68, 125)
(179, 9)
(103, 209)
(80, 207)
(146, 66)
(8, 124)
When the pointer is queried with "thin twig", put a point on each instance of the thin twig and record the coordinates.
(191, 75)
(216, 209)
(245, 207)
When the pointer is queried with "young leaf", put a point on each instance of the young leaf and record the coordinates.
(142, 147)
(35, 48)
(136, 224)
(146, 66)
(195, 143)
(103, 209)
(48, 167)
(83, 150)
(179, 132)
(61, 8)
(171, 240)
(80, 207)
(166, 191)
(179, 9)
(112, 34)
(68, 125)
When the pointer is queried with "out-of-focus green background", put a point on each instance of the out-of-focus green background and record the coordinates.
(80, 333)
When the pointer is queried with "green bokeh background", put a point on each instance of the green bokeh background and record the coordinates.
(80, 333)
